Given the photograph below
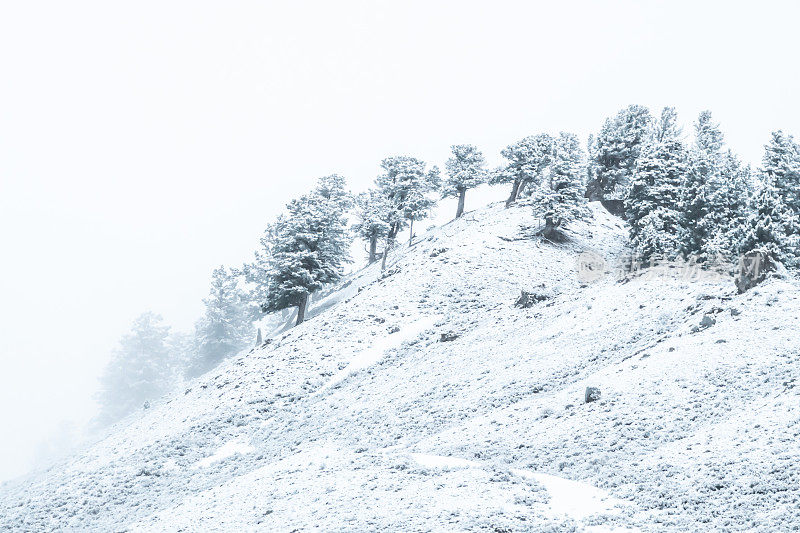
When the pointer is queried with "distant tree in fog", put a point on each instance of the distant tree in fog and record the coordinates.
(226, 326)
(141, 369)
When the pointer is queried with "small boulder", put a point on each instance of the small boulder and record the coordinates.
(592, 394)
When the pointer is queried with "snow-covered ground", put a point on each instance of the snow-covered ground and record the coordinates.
(422, 399)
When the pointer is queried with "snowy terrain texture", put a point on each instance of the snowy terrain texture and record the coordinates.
(424, 400)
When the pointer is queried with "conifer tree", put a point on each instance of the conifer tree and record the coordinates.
(258, 273)
(781, 164)
(141, 369)
(652, 205)
(465, 170)
(617, 149)
(527, 160)
(704, 165)
(772, 227)
(309, 246)
(728, 200)
(407, 185)
(666, 127)
(560, 199)
(715, 196)
(226, 327)
(373, 219)
(708, 137)
(591, 152)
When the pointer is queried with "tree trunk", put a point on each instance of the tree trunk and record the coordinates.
(514, 191)
(411, 232)
(373, 246)
(385, 254)
(462, 192)
(522, 184)
(393, 230)
(550, 230)
(259, 340)
(301, 310)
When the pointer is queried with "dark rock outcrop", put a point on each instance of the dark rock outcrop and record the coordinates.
(753, 269)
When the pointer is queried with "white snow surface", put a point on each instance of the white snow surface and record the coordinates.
(575, 499)
(229, 449)
(365, 418)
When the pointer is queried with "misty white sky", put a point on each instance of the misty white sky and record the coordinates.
(144, 143)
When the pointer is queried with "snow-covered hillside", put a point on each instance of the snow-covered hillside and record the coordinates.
(423, 399)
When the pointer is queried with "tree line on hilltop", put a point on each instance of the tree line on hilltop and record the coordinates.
(682, 198)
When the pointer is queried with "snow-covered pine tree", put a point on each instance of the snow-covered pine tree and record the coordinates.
(652, 204)
(226, 327)
(527, 160)
(772, 227)
(374, 214)
(559, 199)
(656, 236)
(259, 273)
(708, 137)
(715, 196)
(309, 246)
(419, 203)
(140, 369)
(408, 185)
(182, 349)
(465, 170)
(728, 200)
(591, 149)
(781, 163)
(617, 148)
(666, 127)
(704, 160)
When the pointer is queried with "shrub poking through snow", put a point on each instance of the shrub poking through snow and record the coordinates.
(707, 321)
(529, 299)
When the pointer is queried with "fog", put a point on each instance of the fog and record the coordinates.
(144, 143)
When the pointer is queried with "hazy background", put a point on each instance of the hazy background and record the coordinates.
(144, 143)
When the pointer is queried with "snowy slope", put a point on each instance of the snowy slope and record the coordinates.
(365, 419)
